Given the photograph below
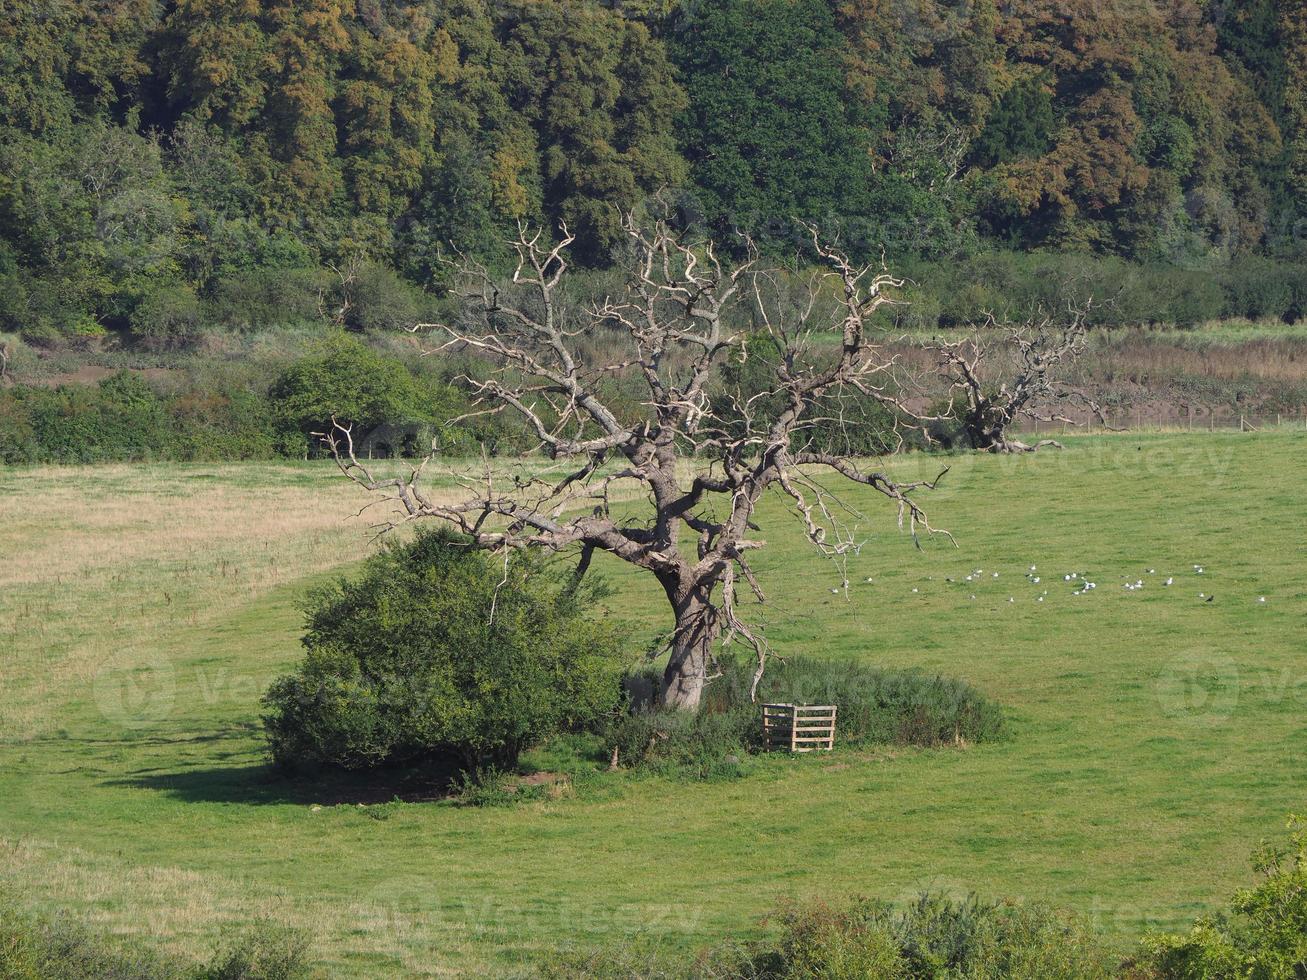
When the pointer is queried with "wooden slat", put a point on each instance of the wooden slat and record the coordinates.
(799, 728)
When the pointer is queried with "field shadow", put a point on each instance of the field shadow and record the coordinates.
(264, 784)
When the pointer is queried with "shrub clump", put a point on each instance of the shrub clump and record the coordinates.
(57, 947)
(438, 652)
(934, 938)
(876, 706)
(1263, 933)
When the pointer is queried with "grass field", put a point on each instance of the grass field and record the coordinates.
(1155, 737)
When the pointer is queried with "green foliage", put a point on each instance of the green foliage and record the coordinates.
(876, 707)
(167, 317)
(391, 411)
(268, 297)
(931, 938)
(59, 948)
(1015, 285)
(264, 952)
(125, 418)
(849, 422)
(766, 133)
(379, 299)
(1261, 936)
(437, 650)
(33, 948)
(1021, 125)
(234, 151)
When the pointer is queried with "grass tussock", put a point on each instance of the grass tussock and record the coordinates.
(34, 947)
(877, 706)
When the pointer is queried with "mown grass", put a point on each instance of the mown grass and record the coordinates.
(1154, 737)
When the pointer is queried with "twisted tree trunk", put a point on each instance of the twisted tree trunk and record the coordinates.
(697, 628)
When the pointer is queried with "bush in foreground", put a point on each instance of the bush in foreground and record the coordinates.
(36, 947)
(931, 939)
(437, 651)
(1261, 936)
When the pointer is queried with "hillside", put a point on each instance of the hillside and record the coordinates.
(168, 169)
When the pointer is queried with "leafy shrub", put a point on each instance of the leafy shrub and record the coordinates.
(380, 299)
(438, 651)
(392, 411)
(268, 297)
(1263, 933)
(126, 418)
(931, 939)
(265, 952)
(495, 787)
(58, 948)
(168, 317)
(876, 706)
(1260, 289)
(701, 743)
(121, 418)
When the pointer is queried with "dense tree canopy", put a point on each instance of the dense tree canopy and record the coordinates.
(194, 147)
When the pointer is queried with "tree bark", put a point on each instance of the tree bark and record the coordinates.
(697, 627)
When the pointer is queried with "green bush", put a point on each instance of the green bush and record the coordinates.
(392, 411)
(381, 299)
(121, 418)
(1261, 936)
(1015, 285)
(1261, 289)
(933, 938)
(261, 299)
(265, 952)
(876, 706)
(56, 947)
(438, 651)
(168, 317)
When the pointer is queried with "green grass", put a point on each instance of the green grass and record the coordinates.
(1155, 737)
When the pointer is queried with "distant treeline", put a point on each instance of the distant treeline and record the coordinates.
(169, 167)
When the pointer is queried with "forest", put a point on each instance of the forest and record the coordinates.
(168, 166)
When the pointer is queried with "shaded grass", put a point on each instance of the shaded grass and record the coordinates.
(1154, 737)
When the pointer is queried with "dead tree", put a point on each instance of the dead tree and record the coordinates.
(986, 408)
(674, 487)
(4, 363)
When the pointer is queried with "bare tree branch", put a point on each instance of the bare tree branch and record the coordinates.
(1043, 347)
(694, 461)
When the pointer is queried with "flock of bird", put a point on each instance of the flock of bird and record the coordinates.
(1081, 584)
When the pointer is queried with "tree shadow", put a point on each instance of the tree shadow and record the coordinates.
(265, 784)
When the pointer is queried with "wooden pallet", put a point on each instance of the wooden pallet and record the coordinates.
(799, 727)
